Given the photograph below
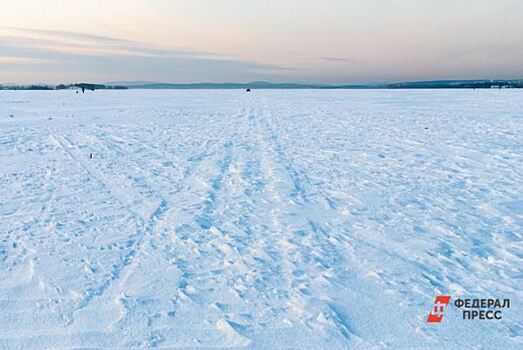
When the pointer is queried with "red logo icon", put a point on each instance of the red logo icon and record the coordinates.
(436, 315)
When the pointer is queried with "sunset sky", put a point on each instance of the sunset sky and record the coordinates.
(320, 41)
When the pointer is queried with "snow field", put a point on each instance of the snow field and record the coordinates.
(276, 219)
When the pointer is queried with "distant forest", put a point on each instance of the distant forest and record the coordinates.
(86, 86)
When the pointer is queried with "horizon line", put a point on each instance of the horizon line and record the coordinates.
(144, 82)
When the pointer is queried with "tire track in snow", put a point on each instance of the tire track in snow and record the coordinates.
(66, 146)
(204, 219)
(160, 237)
(309, 266)
(120, 272)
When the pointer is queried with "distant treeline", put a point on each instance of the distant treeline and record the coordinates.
(26, 87)
(436, 84)
(86, 86)
(460, 84)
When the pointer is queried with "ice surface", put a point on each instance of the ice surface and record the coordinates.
(276, 219)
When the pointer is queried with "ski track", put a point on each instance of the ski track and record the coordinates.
(277, 219)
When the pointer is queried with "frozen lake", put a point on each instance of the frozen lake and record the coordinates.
(276, 219)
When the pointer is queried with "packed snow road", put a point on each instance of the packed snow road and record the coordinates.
(276, 219)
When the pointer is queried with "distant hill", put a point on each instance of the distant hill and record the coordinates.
(253, 85)
(433, 84)
(437, 84)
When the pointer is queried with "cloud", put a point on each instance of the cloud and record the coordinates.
(336, 59)
(67, 34)
(86, 55)
(20, 60)
(75, 40)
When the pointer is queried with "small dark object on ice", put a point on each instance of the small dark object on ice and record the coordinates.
(248, 90)
(426, 128)
(90, 156)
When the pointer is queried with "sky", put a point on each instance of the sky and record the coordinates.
(314, 41)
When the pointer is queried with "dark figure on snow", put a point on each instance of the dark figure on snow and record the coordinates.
(248, 90)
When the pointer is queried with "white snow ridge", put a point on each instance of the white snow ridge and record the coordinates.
(271, 220)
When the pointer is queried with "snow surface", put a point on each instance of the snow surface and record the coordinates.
(276, 219)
